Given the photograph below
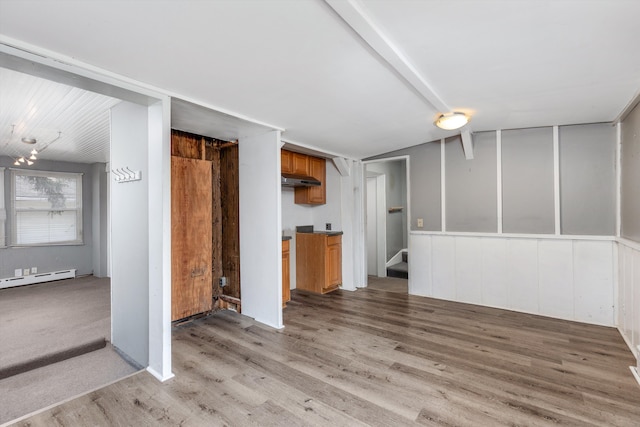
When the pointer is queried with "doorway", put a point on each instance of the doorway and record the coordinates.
(386, 220)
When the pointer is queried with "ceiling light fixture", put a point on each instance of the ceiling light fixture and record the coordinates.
(452, 120)
(29, 140)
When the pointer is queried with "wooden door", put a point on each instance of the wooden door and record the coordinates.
(191, 236)
(318, 170)
(334, 262)
(286, 275)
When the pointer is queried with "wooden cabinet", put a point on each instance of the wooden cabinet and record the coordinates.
(313, 195)
(286, 275)
(318, 262)
(286, 161)
(302, 164)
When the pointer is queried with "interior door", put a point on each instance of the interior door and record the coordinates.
(191, 237)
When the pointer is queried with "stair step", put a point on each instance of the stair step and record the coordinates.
(49, 359)
(400, 270)
(405, 256)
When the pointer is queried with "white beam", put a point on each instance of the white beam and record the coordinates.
(467, 144)
(344, 167)
(354, 13)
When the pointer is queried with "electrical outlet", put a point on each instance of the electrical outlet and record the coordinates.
(328, 226)
(26, 272)
(420, 223)
(34, 270)
(223, 282)
(17, 272)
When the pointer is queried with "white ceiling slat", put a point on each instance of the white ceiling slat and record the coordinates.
(41, 108)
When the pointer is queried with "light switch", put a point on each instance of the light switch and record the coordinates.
(420, 223)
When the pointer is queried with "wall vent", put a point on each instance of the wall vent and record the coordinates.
(37, 278)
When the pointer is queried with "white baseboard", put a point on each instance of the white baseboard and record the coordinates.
(37, 278)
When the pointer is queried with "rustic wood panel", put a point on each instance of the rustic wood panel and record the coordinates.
(216, 222)
(229, 187)
(376, 358)
(191, 237)
(186, 145)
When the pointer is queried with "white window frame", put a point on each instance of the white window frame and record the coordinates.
(78, 209)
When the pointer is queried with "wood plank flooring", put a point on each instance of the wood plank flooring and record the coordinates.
(376, 358)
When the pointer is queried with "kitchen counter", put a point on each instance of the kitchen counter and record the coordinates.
(284, 238)
(309, 229)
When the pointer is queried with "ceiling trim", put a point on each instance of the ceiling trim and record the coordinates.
(355, 16)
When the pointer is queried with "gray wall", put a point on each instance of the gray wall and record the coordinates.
(51, 258)
(527, 181)
(587, 181)
(471, 198)
(396, 195)
(424, 173)
(587, 186)
(630, 176)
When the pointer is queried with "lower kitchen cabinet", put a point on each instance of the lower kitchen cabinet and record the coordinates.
(286, 275)
(318, 262)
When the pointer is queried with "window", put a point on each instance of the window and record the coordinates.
(46, 208)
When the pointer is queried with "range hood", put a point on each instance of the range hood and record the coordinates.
(291, 180)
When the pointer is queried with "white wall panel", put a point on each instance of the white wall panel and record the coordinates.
(559, 277)
(468, 269)
(522, 275)
(555, 263)
(420, 265)
(443, 273)
(593, 275)
(494, 272)
(628, 308)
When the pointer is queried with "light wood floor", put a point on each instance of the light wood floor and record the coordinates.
(388, 284)
(376, 358)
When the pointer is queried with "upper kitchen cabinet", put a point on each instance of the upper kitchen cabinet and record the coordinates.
(314, 195)
(304, 165)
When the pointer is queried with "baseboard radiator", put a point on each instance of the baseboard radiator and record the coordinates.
(37, 278)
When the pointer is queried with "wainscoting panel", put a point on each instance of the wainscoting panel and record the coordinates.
(443, 264)
(495, 283)
(522, 275)
(468, 270)
(555, 258)
(628, 313)
(563, 277)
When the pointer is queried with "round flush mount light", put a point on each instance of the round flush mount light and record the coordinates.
(451, 121)
(29, 140)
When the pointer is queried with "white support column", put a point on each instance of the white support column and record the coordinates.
(443, 191)
(556, 179)
(499, 178)
(261, 228)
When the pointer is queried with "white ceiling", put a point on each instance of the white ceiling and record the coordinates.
(357, 77)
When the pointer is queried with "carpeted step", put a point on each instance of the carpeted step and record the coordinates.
(49, 359)
(400, 270)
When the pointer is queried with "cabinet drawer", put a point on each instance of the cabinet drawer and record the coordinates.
(334, 240)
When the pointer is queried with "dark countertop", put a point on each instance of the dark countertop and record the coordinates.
(309, 229)
(286, 238)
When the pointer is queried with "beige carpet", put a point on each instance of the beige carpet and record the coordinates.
(44, 320)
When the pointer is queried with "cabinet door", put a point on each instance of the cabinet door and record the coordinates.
(318, 170)
(334, 264)
(286, 161)
(191, 214)
(286, 268)
(300, 164)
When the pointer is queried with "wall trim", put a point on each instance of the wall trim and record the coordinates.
(520, 236)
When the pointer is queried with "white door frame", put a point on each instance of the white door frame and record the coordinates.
(408, 175)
